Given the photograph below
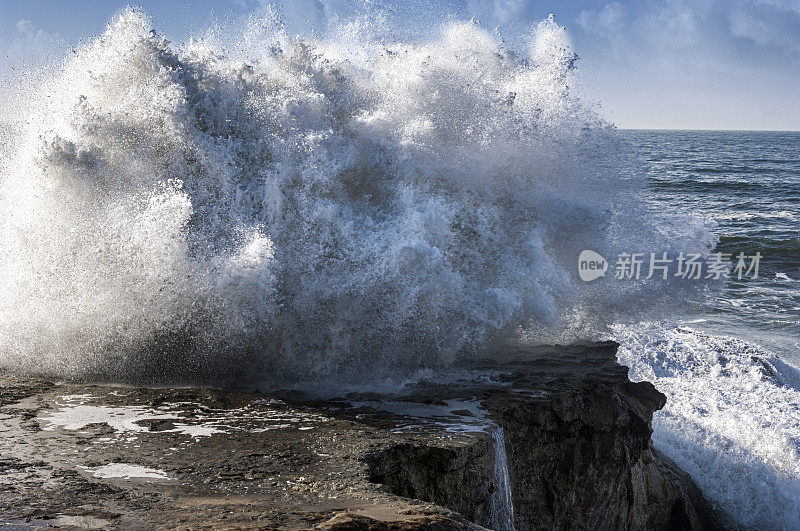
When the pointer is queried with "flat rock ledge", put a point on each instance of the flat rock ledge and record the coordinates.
(538, 438)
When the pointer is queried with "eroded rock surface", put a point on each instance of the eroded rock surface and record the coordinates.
(577, 442)
(579, 445)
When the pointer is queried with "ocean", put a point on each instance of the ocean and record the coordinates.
(748, 182)
(729, 364)
(254, 209)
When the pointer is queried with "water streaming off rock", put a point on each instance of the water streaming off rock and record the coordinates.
(503, 503)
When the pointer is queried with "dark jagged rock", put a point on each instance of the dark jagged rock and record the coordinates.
(456, 477)
(577, 441)
(578, 436)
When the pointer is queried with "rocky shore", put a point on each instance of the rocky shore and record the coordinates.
(538, 438)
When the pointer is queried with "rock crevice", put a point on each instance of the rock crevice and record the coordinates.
(577, 435)
(459, 478)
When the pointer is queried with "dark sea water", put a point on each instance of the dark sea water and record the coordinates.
(748, 183)
(728, 365)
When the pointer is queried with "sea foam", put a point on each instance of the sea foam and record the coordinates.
(297, 208)
(732, 418)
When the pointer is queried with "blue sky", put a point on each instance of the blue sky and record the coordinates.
(701, 64)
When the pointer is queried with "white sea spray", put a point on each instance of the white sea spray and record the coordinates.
(298, 208)
(732, 418)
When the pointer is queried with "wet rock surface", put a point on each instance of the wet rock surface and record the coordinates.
(577, 443)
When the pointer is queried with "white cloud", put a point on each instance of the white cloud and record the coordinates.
(26, 37)
(674, 24)
(505, 10)
(29, 42)
(768, 23)
(500, 10)
(792, 5)
(25, 27)
(606, 22)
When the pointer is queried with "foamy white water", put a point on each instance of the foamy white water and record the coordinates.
(127, 471)
(257, 206)
(732, 418)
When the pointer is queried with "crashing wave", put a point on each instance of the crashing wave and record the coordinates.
(315, 209)
(732, 418)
